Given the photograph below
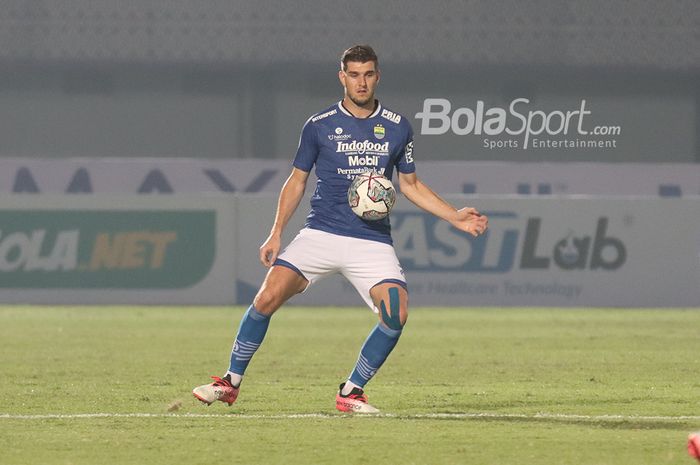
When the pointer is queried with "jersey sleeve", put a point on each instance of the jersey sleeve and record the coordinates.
(308, 149)
(404, 163)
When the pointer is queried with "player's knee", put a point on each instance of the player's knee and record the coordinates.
(280, 284)
(403, 316)
(394, 321)
(393, 309)
(266, 302)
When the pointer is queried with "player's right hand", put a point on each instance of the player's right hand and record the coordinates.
(270, 249)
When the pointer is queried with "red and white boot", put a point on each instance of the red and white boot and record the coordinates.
(221, 389)
(354, 402)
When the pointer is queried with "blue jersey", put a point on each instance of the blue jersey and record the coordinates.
(343, 146)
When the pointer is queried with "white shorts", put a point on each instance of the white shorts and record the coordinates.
(315, 254)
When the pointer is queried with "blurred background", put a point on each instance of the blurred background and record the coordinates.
(230, 79)
(207, 97)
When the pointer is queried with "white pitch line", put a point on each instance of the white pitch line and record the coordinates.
(418, 416)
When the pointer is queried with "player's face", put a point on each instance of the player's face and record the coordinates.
(360, 81)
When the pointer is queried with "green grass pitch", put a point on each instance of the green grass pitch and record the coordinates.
(519, 386)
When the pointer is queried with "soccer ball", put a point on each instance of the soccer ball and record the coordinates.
(371, 196)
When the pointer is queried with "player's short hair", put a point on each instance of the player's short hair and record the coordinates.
(359, 53)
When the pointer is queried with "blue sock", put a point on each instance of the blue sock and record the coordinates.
(375, 350)
(251, 333)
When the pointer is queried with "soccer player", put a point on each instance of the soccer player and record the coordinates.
(355, 135)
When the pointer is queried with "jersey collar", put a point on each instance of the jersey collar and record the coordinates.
(375, 113)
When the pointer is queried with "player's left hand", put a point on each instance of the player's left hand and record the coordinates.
(469, 220)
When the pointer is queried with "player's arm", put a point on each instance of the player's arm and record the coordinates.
(290, 196)
(466, 219)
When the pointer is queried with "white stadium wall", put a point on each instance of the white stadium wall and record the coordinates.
(202, 249)
(191, 176)
(641, 251)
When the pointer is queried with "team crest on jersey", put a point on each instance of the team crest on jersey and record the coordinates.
(379, 131)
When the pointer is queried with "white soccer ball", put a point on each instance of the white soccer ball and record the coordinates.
(371, 196)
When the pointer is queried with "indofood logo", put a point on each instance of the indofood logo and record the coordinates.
(423, 243)
(361, 148)
(519, 125)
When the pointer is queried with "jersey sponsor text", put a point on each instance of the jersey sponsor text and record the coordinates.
(324, 115)
(391, 116)
(367, 160)
(362, 147)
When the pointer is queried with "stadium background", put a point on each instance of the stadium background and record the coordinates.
(143, 143)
